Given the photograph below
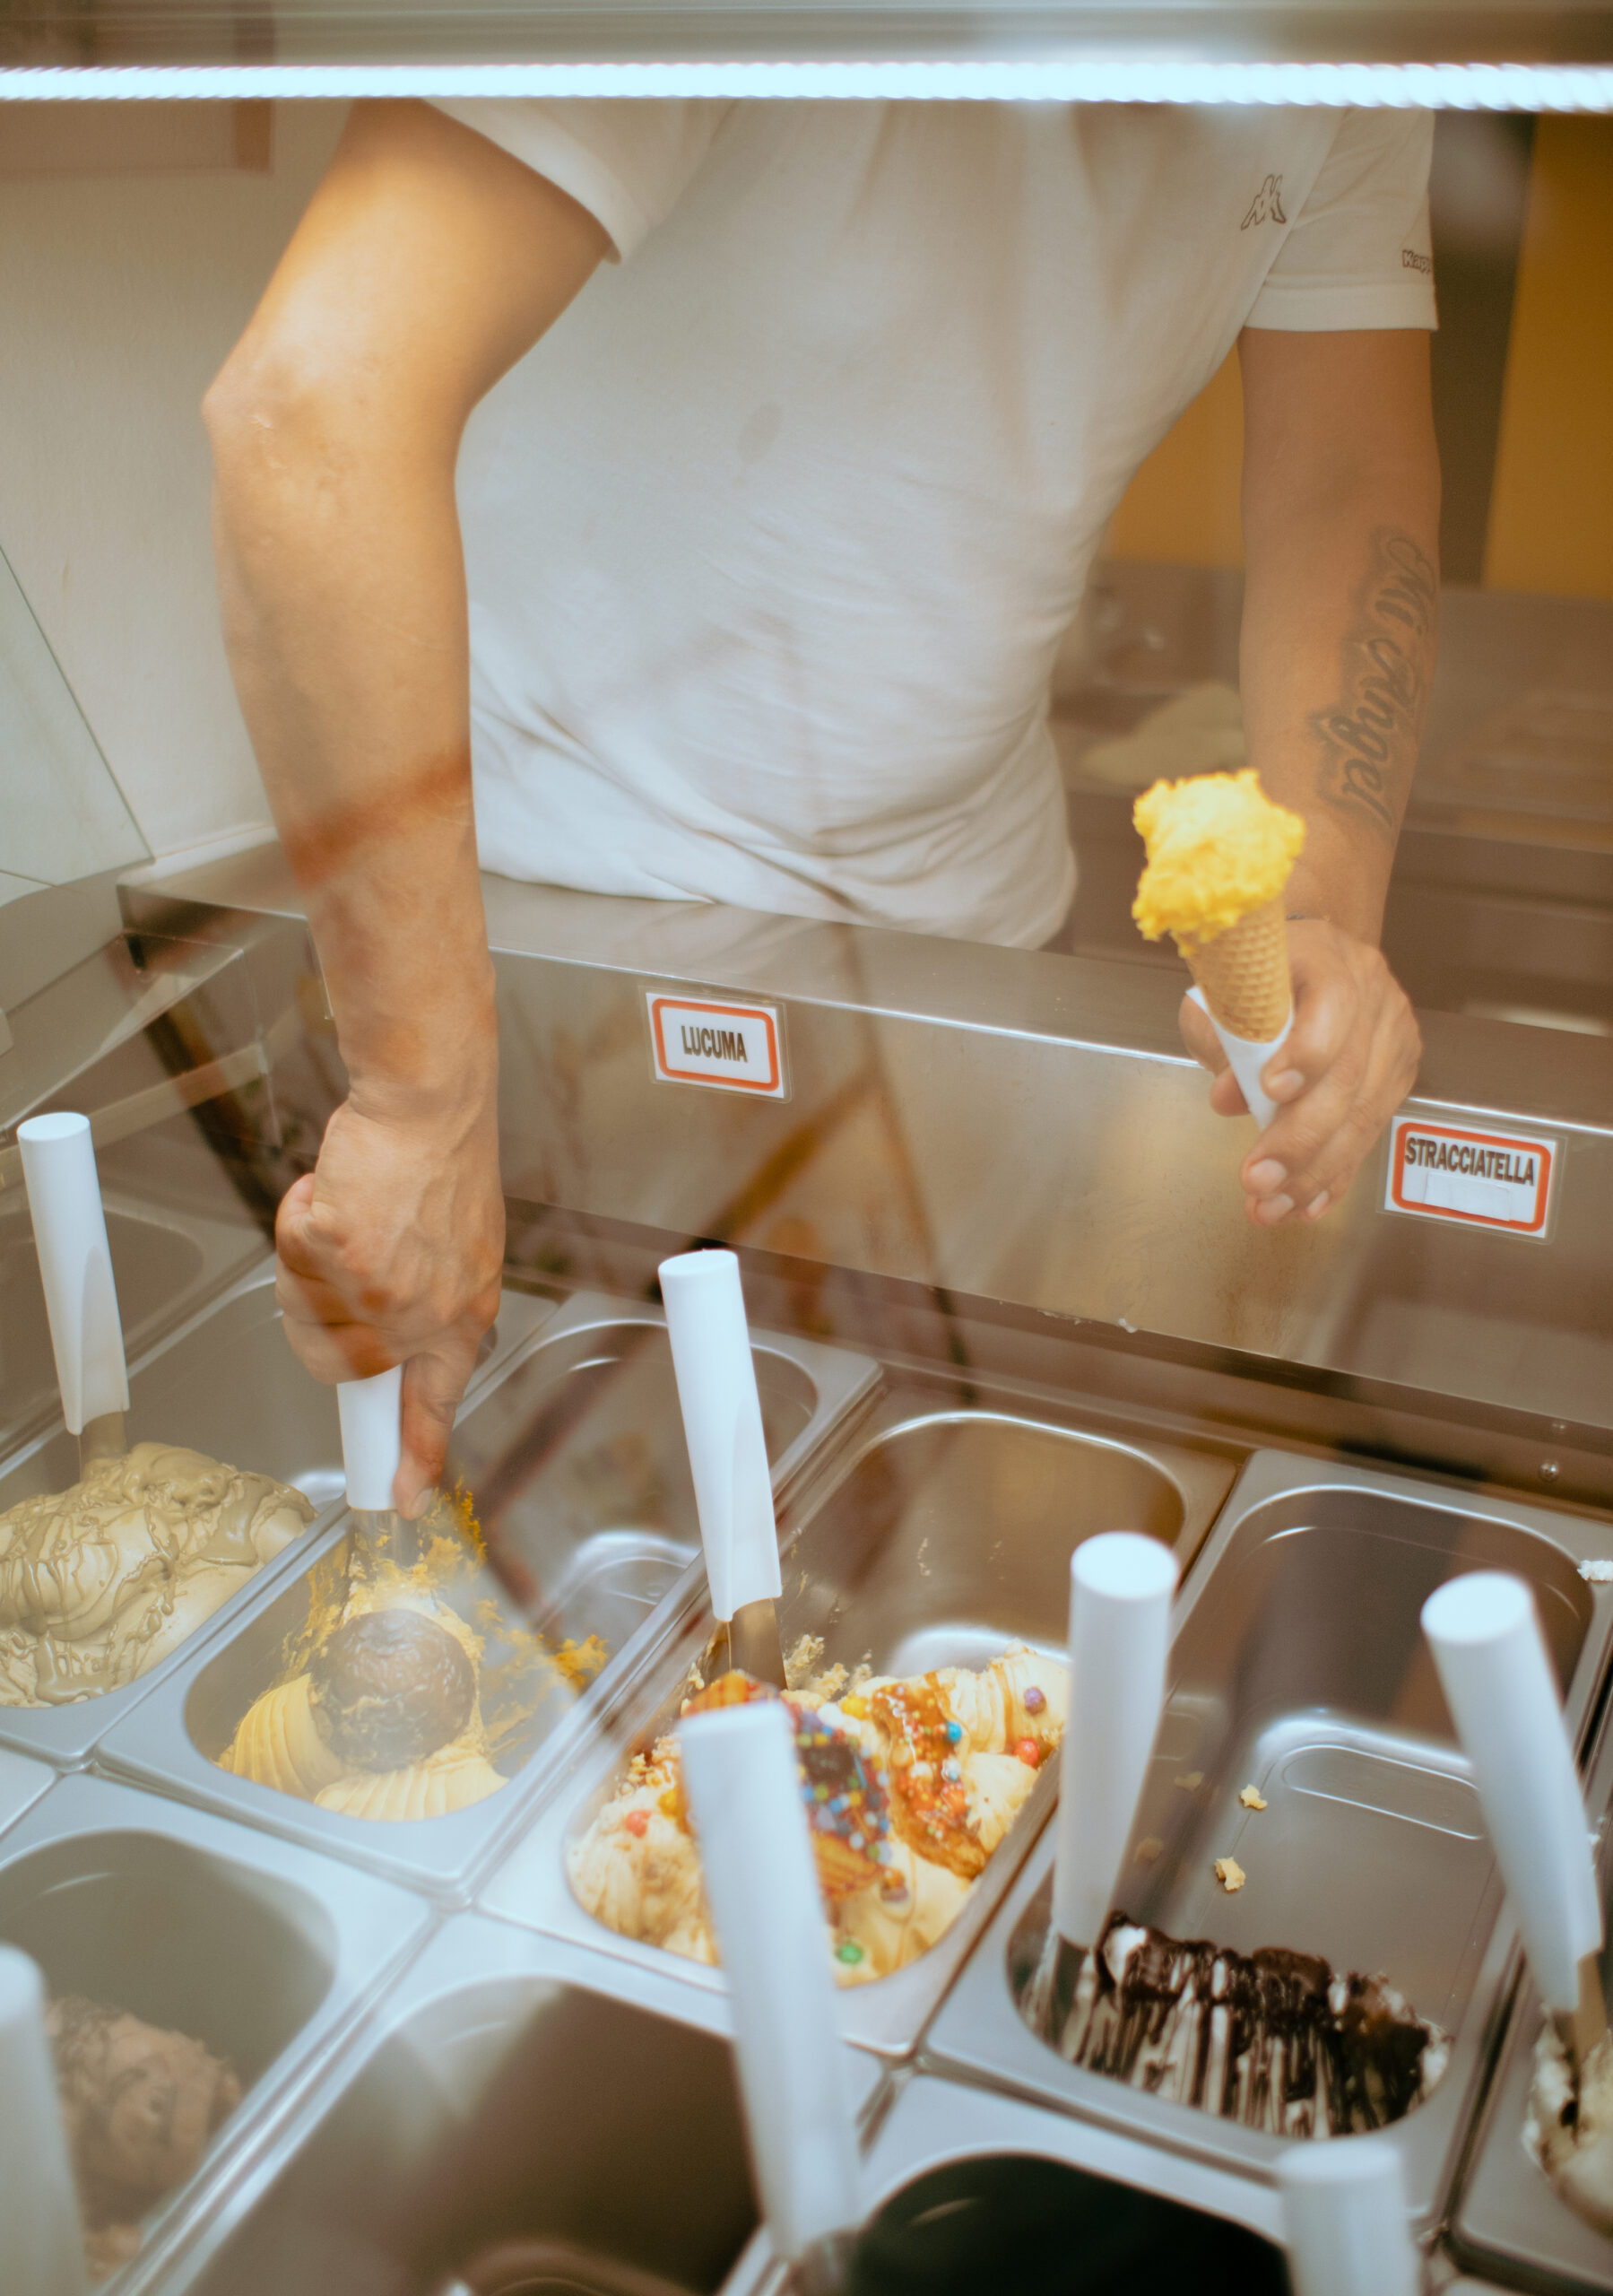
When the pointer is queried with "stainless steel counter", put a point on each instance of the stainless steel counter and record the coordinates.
(1009, 1126)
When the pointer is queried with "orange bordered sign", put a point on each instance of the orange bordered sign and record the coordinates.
(733, 1048)
(1501, 1180)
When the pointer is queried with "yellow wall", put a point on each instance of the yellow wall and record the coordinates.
(1182, 506)
(1551, 511)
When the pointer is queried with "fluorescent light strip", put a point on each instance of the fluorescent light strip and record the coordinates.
(1107, 78)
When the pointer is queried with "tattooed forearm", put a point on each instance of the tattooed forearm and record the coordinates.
(1369, 736)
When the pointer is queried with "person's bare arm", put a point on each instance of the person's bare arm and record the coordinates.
(1341, 540)
(428, 262)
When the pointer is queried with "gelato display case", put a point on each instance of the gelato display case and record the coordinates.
(364, 1847)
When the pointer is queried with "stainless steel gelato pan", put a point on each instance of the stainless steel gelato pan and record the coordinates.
(571, 1454)
(1298, 1669)
(969, 2190)
(518, 2114)
(228, 1386)
(259, 1952)
(162, 1261)
(1509, 2218)
(940, 1537)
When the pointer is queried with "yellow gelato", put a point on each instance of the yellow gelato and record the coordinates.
(1217, 849)
(386, 1704)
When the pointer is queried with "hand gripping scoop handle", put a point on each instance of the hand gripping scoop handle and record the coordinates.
(1503, 1696)
(728, 1454)
(76, 1266)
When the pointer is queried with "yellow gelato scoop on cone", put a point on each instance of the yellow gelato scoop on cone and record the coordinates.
(1219, 857)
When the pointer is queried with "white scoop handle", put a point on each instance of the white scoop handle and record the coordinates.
(1502, 1697)
(1121, 1586)
(1345, 2221)
(722, 1427)
(75, 1264)
(39, 2202)
(372, 1438)
(761, 1884)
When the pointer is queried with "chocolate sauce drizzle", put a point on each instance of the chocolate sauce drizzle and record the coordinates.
(1273, 2038)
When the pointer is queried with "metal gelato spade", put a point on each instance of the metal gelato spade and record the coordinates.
(372, 1446)
(1121, 1586)
(76, 1266)
(728, 1456)
(761, 1884)
(1503, 1696)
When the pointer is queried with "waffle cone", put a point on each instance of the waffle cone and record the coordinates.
(1244, 973)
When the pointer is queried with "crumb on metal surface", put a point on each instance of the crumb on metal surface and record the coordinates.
(1230, 1874)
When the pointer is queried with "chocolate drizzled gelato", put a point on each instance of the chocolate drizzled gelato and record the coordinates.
(1275, 2039)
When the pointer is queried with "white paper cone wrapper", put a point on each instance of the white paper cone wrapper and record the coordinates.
(1345, 2221)
(75, 1265)
(723, 1426)
(1248, 1061)
(1121, 1586)
(44, 2253)
(1502, 1697)
(761, 1884)
(372, 1438)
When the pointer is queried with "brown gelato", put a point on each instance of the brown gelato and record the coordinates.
(139, 2107)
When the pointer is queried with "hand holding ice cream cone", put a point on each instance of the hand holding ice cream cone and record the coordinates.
(1219, 857)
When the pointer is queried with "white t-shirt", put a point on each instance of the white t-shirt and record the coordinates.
(772, 540)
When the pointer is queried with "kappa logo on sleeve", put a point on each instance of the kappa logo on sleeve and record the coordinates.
(1267, 207)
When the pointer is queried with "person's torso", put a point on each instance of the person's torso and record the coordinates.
(772, 540)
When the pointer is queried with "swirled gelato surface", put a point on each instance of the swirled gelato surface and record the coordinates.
(139, 2107)
(909, 1785)
(99, 1583)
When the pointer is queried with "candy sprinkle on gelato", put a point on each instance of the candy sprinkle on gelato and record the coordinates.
(1217, 849)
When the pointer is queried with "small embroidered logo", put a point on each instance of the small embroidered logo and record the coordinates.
(1411, 261)
(1267, 206)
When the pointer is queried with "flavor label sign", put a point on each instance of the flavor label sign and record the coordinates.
(1486, 1179)
(737, 1047)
